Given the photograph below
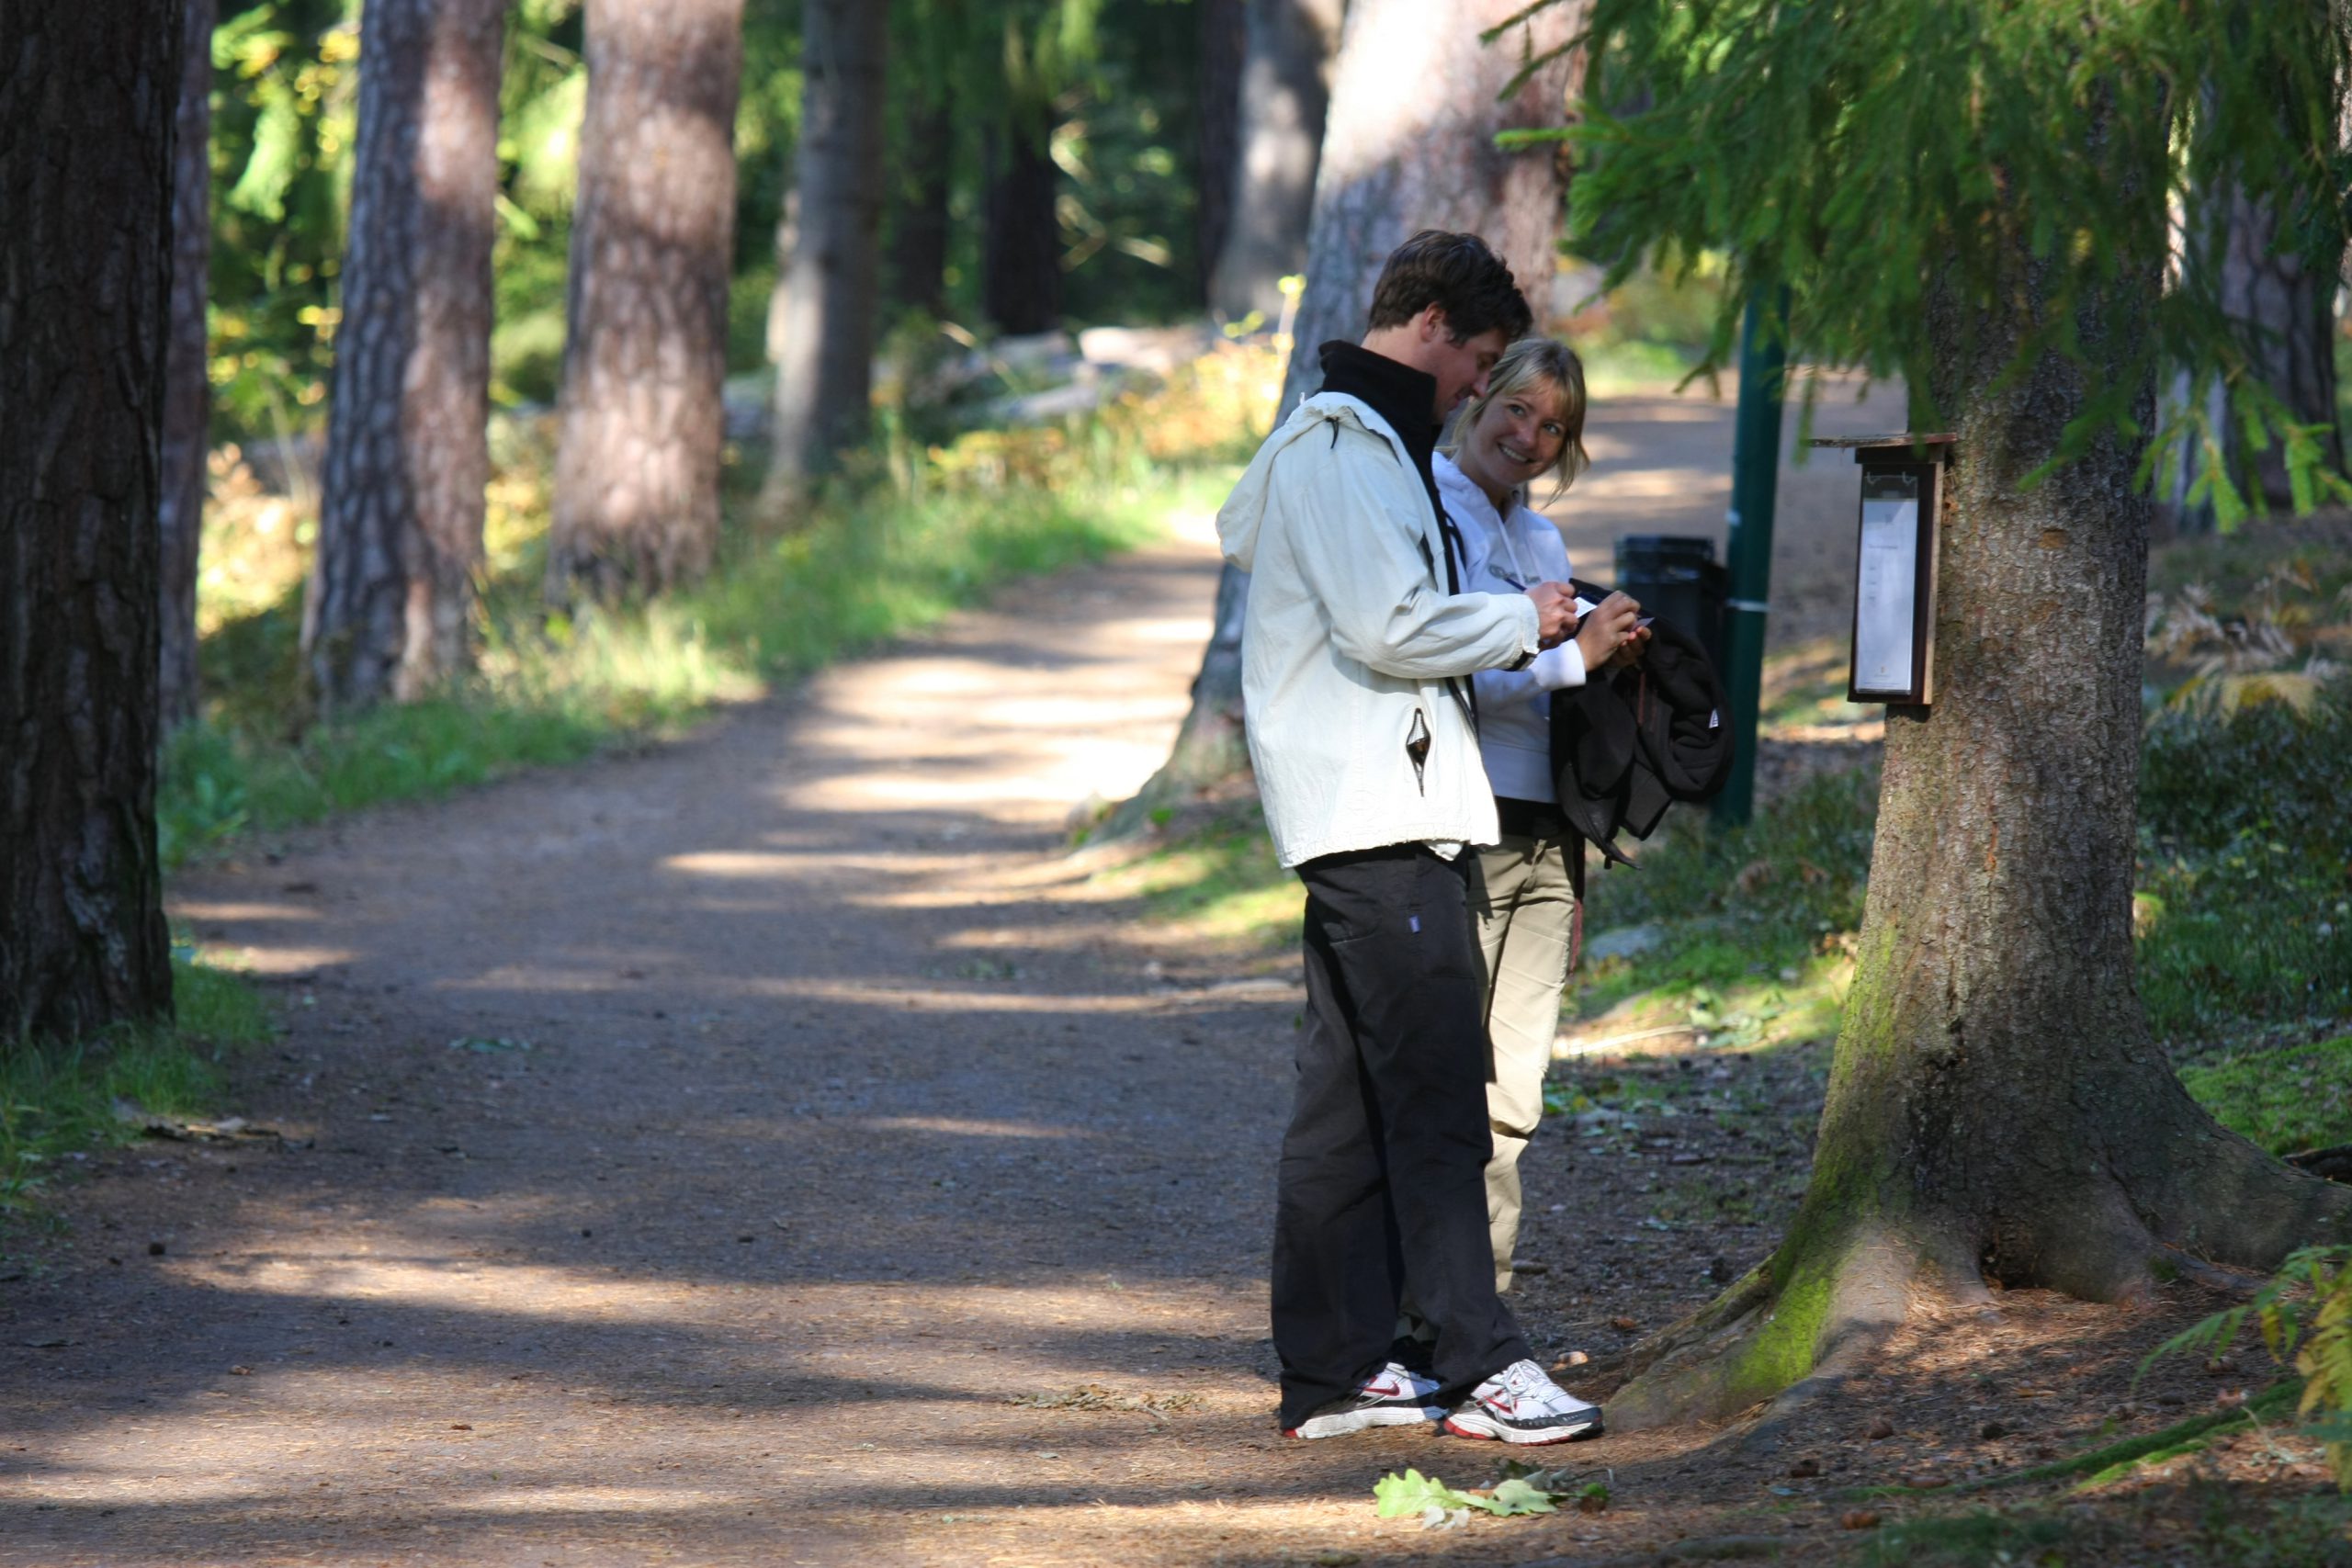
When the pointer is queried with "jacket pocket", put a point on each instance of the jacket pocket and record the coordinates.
(1417, 748)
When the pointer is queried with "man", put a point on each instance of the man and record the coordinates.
(1357, 650)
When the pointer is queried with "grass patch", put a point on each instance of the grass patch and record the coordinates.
(2289, 1100)
(57, 1102)
(1984, 1537)
(1219, 881)
(1751, 922)
(2243, 911)
(2245, 867)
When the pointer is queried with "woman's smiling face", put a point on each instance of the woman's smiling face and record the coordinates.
(1519, 435)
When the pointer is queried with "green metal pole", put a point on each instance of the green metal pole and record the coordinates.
(1755, 475)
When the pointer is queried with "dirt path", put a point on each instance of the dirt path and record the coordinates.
(767, 1150)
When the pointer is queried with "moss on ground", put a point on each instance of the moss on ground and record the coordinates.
(2287, 1099)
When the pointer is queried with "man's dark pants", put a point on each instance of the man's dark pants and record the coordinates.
(1382, 1174)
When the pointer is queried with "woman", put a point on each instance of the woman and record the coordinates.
(1529, 424)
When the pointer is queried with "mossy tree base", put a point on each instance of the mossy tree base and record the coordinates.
(1997, 1109)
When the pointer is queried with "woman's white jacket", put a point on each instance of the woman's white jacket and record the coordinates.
(1351, 650)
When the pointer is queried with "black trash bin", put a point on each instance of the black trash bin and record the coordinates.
(1679, 579)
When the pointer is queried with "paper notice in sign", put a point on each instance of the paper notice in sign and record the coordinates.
(1887, 598)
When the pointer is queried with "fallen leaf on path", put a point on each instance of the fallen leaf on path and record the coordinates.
(1441, 1506)
(1858, 1519)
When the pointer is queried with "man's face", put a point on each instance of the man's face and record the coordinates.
(1460, 368)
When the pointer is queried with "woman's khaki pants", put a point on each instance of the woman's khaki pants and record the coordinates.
(1524, 925)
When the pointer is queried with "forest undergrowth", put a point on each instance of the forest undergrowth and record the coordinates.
(917, 530)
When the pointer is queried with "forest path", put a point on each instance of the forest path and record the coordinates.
(768, 1149)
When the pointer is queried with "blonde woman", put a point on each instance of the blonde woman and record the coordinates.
(1528, 427)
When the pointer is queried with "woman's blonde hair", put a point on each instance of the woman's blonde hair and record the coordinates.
(1525, 363)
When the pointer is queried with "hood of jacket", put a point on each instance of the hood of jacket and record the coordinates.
(1243, 515)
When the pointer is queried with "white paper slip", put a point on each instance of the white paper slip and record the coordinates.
(1887, 598)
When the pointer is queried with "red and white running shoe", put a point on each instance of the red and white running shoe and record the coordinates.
(1392, 1396)
(1521, 1404)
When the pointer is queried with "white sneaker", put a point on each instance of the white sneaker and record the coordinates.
(1392, 1396)
(1521, 1404)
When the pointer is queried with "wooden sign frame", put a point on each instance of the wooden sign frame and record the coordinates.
(1891, 656)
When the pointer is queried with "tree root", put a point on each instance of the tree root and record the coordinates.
(1822, 1308)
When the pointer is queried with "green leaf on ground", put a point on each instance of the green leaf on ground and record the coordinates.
(1403, 1496)
(1411, 1494)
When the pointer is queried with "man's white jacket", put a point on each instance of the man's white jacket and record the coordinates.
(1350, 637)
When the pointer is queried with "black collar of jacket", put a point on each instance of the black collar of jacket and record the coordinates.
(1398, 393)
(1405, 398)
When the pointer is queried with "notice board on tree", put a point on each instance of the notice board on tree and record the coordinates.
(1894, 568)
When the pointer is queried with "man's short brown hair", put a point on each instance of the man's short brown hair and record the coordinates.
(1461, 276)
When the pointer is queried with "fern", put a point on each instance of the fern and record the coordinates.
(2303, 1316)
(2326, 1365)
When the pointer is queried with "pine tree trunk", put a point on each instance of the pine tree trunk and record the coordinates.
(1409, 146)
(1021, 245)
(640, 423)
(1223, 36)
(2291, 306)
(187, 385)
(390, 602)
(825, 377)
(88, 94)
(1997, 1109)
(918, 220)
(1285, 94)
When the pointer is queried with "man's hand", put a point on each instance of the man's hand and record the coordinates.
(1556, 612)
(1609, 630)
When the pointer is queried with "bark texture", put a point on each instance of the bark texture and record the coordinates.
(1409, 145)
(1998, 1111)
(87, 99)
(1021, 244)
(1223, 50)
(1286, 95)
(186, 383)
(640, 423)
(825, 369)
(391, 604)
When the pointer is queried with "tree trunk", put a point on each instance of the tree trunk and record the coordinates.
(1021, 245)
(919, 222)
(390, 603)
(1285, 91)
(186, 383)
(640, 423)
(2289, 307)
(1409, 146)
(918, 219)
(2286, 308)
(1224, 49)
(89, 95)
(1998, 1111)
(824, 378)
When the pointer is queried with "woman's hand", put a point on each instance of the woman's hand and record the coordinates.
(1605, 636)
